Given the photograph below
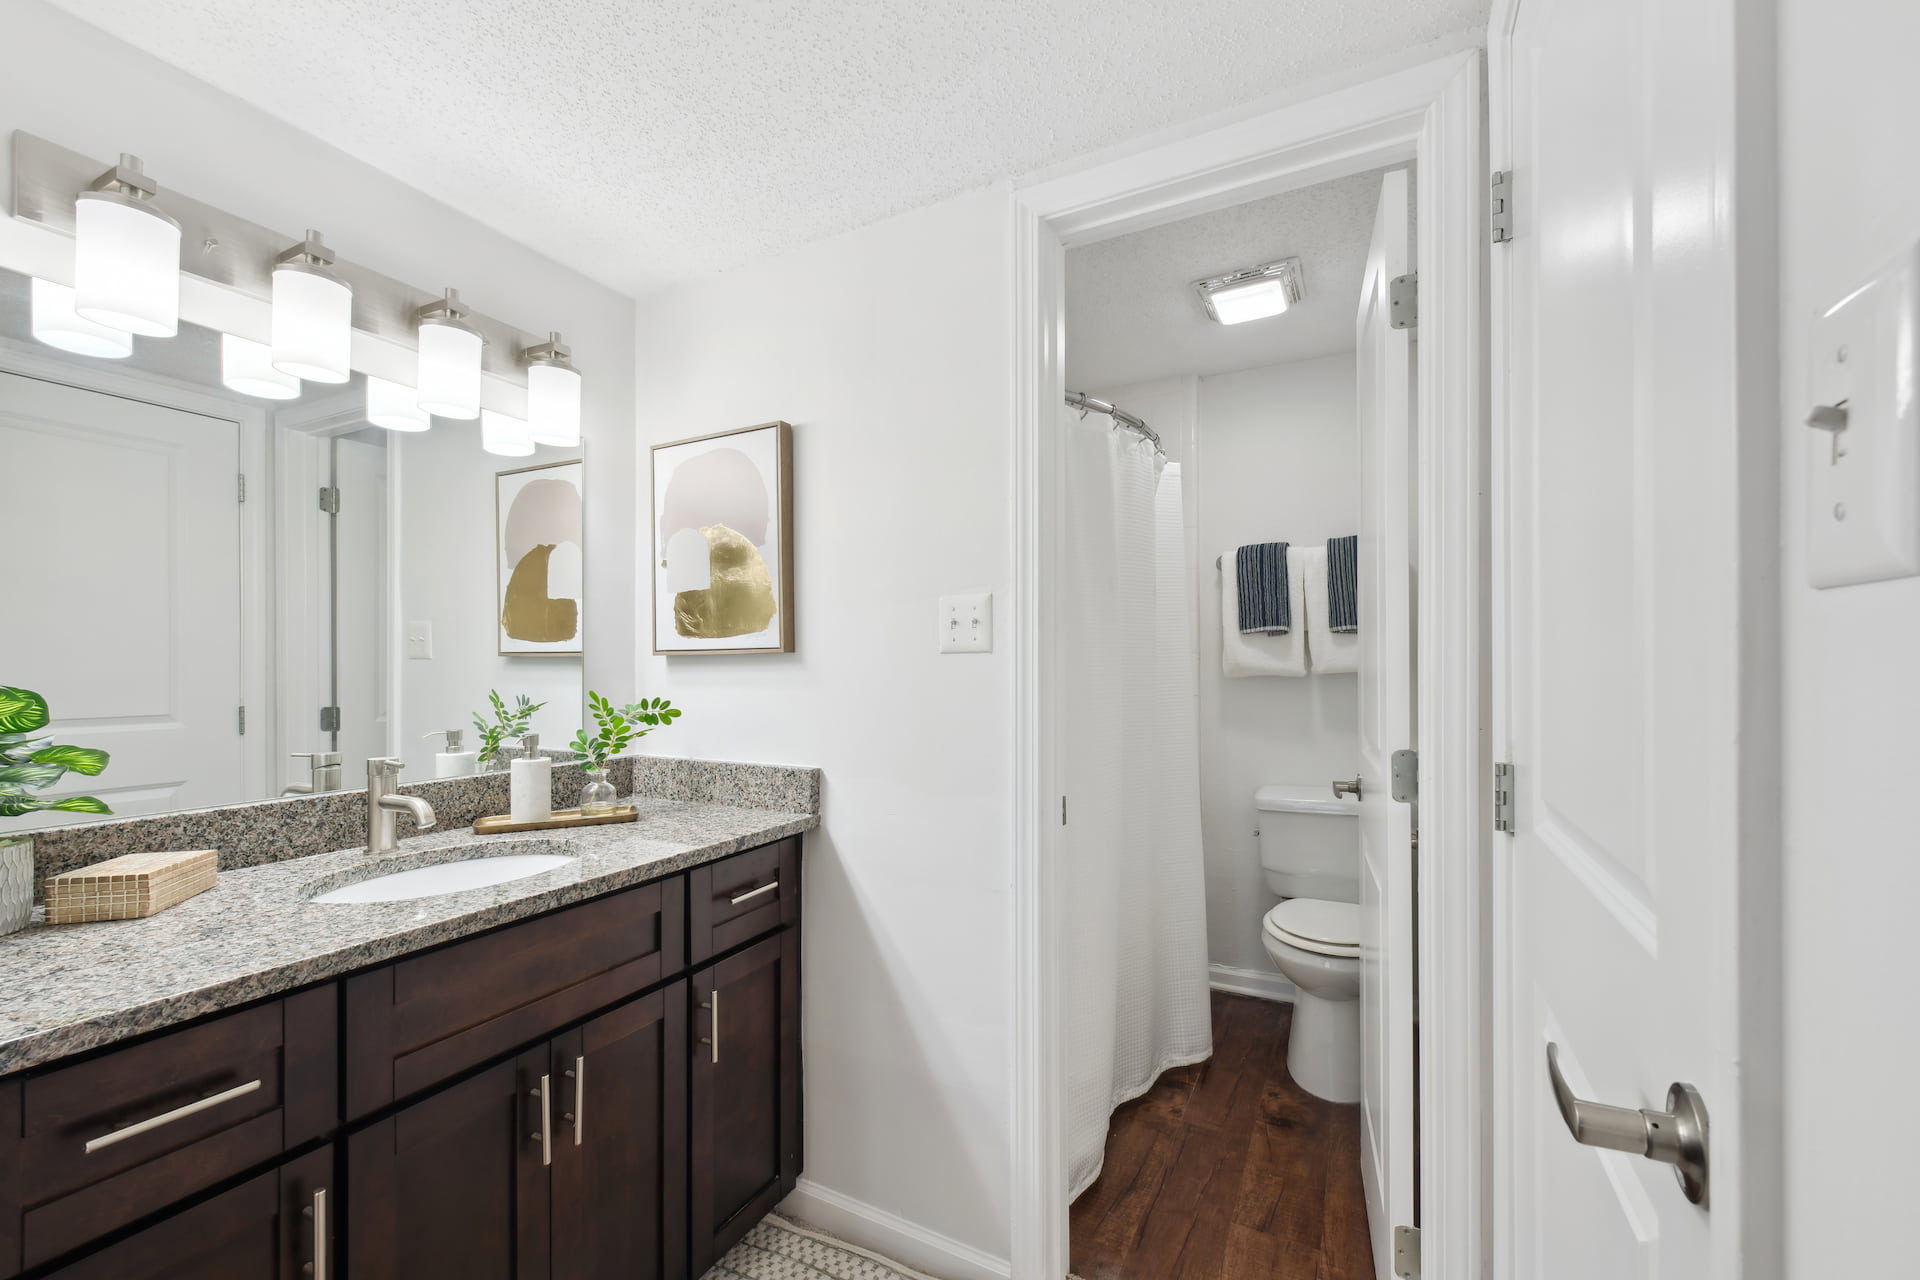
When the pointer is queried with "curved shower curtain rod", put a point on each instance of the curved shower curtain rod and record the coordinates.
(1121, 418)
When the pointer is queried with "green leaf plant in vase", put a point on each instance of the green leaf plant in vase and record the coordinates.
(30, 762)
(618, 727)
(508, 724)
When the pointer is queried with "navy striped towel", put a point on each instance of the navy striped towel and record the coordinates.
(1343, 584)
(1265, 605)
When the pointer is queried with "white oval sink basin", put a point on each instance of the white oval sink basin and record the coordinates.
(446, 877)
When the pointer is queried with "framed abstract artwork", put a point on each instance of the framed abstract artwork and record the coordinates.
(723, 542)
(538, 544)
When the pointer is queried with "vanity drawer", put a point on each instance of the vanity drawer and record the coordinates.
(116, 1137)
(737, 899)
(426, 1019)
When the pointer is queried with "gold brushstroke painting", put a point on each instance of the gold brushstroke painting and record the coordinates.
(723, 532)
(539, 542)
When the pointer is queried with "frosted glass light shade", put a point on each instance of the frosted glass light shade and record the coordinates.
(312, 323)
(247, 367)
(1255, 300)
(395, 407)
(57, 324)
(504, 434)
(126, 265)
(449, 369)
(553, 404)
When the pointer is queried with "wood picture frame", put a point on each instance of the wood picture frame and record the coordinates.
(704, 487)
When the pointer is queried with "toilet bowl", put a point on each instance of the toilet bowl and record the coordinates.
(1310, 854)
(1315, 945)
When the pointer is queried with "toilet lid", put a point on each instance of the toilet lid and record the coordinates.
(1324, 928)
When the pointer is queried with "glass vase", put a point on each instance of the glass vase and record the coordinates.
(597, 796)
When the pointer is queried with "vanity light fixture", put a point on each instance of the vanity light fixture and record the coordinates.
(504, 434)
(126, 254)
(553, 393)
(1251, 293)
(246, 366)
(57, 324)
(395, 407)
(312, 314)
(449, 358)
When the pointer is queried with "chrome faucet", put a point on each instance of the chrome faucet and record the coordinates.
(384, 805)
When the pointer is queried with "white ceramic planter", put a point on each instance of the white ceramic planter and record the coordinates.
(16, 883)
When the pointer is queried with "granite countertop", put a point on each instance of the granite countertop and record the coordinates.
(255, 934)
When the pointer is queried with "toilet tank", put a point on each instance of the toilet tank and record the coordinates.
(1309, 841)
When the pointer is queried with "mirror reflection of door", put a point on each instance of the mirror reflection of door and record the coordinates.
(122, 595)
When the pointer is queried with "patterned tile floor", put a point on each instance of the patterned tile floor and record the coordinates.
(779, 1249)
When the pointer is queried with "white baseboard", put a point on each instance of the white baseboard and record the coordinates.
(1263, 984)
(873, 1228)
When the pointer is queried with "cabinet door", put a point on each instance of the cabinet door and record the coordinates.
(745, 1029)
(620, 1143)
(455, 1186)
(264, 1229)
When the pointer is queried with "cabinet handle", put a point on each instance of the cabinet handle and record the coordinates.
(578, 1074)
(545, 1135)
(712, 1006)
(739, 898)
(168, 1117)
(318, 1212)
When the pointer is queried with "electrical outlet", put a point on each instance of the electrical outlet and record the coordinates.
(966, 623)
(419, 639)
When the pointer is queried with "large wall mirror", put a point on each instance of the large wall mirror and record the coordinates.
(210, 585)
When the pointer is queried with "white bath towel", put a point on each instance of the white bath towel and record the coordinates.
(1332, 651)
(1255, 653)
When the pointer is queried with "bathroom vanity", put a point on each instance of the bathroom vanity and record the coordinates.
(589, 1072)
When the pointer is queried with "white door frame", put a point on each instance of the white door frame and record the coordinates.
(1431, 114)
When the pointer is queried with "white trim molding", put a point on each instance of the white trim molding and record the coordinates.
(874, 1228)
(1432, 114)
(1258, 983)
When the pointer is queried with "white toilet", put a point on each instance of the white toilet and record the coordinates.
(1310, 851)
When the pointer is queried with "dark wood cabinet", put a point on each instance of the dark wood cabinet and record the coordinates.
(745, 1092)
(277, 1225)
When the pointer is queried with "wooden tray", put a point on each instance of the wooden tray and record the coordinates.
(561, 818)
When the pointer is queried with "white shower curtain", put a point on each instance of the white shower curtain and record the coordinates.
(1135, 958)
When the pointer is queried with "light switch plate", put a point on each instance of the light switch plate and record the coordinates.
(419, 639)
(1863, 489)
(966, 623)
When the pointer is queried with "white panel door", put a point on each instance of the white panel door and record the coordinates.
(123, 593)
(1384, 360)
(1616, 664)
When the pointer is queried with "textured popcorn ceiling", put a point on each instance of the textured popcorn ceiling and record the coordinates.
(644, 142)
(1132, 314)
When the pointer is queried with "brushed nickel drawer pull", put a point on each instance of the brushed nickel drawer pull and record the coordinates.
(318, 1267)
(739, 898)
(168, 1117)
(713, 1009)
(578, 1074)
(544, 1136)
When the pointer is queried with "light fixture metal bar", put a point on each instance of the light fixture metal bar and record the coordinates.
(240, 255)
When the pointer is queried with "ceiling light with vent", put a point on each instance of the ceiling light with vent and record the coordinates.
(1252, 293)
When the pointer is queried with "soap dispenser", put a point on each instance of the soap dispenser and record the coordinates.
(531, 790)
(456, 761)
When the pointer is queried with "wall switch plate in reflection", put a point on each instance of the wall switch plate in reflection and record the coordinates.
(419, 639)
(1863, 424)
(966, 623)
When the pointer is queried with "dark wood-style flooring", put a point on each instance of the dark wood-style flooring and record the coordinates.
(1228, 1171)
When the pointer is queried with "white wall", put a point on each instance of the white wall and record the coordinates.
(889, 350)
(75, 86)
(1276, 461)
(1850, 198)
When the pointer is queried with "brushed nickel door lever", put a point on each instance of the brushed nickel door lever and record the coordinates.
(1676, 1136)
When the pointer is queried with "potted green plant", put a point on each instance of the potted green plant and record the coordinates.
(30, 762)
(618, 726)
(508, 723)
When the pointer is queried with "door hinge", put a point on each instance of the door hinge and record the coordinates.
(330, 500)
(1503, 797)
(242, 478)
(329, 719)
(242, 717)
(1500, 207)
(1406, 775)
(1063, 811)
(1403, 301)
(1406, 1252)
